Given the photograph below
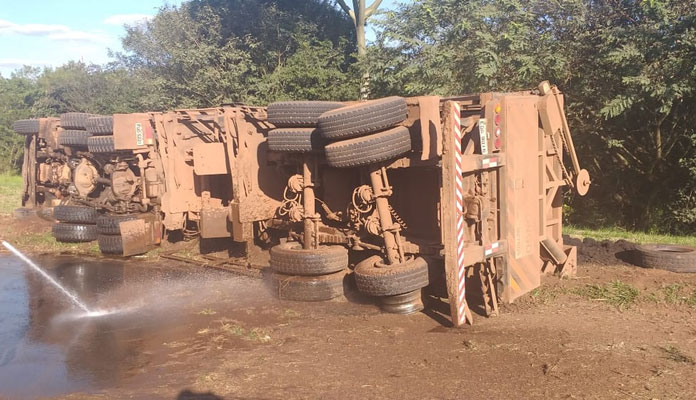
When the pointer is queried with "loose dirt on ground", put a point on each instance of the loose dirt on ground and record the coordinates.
(614, 331)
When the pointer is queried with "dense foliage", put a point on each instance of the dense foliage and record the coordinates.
(627, 68)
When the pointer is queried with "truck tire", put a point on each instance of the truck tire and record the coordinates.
(74, 233)
(309, 288)
(109, 224)
(74, 120)
(73, 138)
(297, 114)
(295, 140)
(26, 126)
(668, 257)
(291, 259)
(100, 125)
(75, 214)
(391, 280)
(101, 144)
(364, 118)
(369, 149)
(110, 244)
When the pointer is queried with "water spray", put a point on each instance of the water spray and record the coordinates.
(55, 283)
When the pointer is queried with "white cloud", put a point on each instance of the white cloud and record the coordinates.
(52, 32)
(14, 63)
(127, 19)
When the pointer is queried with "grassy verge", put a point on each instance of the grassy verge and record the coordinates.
(621, 295)
(10, 193)
(635, 237)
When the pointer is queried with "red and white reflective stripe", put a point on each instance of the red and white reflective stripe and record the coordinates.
(490, 162)
(459, 191)
(490, 249)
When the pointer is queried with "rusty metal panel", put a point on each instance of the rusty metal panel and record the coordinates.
(520, 195)
(214, 223)
(209, 159)
(48, 131)
(140, 235)
(133, 131)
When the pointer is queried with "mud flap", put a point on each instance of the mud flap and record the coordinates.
(140, 235)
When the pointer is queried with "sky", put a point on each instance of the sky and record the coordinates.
(50, 33)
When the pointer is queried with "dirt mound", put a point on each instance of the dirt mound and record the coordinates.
(605, 252)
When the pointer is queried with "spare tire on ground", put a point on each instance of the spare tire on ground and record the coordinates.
(26, 126)
(295, 140)
(298, 114)
(666, 256)
(309, 288)
(376, 279)
(290, 258)
(74, 233)
(369, 149)
(75, 214)
(74, 120)
(363, 118)
(100, 125)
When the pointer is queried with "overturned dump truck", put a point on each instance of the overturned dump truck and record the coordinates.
(451, 195)
(425, 191)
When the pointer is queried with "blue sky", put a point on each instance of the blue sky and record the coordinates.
(52, 32)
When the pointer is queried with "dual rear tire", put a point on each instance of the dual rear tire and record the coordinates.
(75, 224)
(308, 274)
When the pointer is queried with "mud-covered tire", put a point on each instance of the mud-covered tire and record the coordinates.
(75, 214)
(363, 118)
(46, 213)
(369, 149)
(291, 259)
(100, 125)
(110, 244)
(26, 126)
(391, 280)
(668, 257)
(74, 120)
(295, 140)
(23, 212)
(73, 138)
(109, 224)
(297, 114)
(309, 288)
(101, 144)
(74, 233)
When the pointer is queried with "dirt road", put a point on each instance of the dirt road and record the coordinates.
(615, 331)
(559, 343)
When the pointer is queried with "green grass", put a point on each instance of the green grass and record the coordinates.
(10, 193)
(616, 293)
(635, 237)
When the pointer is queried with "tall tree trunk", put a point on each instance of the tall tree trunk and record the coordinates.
(359, 14)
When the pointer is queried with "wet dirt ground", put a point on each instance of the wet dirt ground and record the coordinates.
(193, 333)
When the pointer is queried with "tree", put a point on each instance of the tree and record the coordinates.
(359, 14)
(17, 96)
(626, 68)
(208, 52)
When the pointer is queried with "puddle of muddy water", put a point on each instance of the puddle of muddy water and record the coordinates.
(48, 347)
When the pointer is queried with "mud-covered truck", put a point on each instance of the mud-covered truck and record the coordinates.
(421, 192)
(395, 194)
(82, 171)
